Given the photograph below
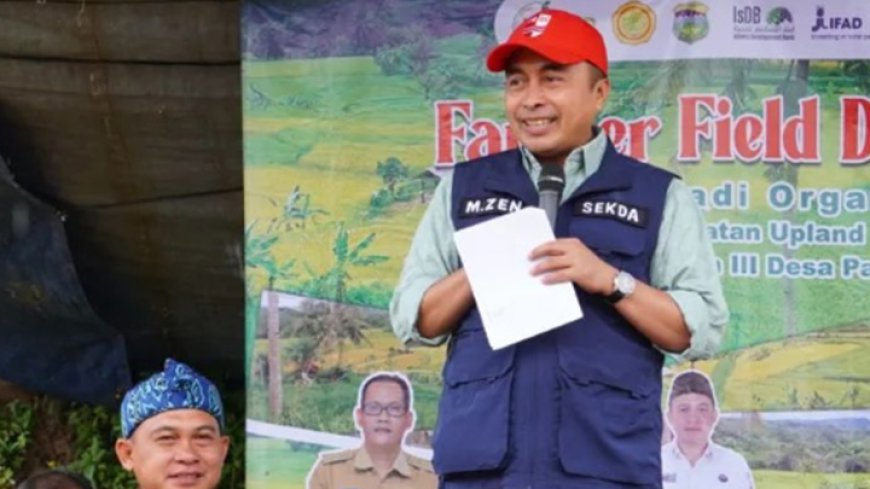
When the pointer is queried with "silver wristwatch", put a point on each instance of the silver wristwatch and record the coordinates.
(623, 286)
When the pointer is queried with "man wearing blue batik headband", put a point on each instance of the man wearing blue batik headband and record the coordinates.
(172, 430)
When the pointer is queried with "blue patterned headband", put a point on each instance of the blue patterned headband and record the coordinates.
(177, 387)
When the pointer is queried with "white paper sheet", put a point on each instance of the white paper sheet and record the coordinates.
(513, 304)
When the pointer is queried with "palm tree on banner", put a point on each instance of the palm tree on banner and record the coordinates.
(333, 283)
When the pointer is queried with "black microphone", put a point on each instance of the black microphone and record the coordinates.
(550, 186)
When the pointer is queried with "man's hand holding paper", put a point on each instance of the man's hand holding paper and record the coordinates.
(514, 304)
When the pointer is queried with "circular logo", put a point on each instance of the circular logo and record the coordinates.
(634, 23)
(690, 22)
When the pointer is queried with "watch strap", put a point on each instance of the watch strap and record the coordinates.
(614, 296)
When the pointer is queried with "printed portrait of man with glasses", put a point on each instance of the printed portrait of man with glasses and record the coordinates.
(384, 414)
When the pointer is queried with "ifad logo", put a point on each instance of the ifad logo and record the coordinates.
(824, 22)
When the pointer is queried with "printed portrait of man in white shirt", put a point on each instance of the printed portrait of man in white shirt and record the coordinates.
(691, 460)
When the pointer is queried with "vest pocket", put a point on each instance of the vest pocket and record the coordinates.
(616, 243)
(473, 413)
(608, 431)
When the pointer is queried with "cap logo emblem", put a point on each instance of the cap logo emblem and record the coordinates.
(538, 25)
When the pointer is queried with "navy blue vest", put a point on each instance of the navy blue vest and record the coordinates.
(576, 407)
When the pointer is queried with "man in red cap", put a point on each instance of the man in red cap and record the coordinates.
(578, 406)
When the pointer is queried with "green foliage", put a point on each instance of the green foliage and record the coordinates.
(325, 407)
(77, 436)
(332, 284)
(256, 99)
(258, 249)
(649, 89)
(408, 191)
(392, 61)
(301, 350)
(94, 431)
(820, 447)
(298, 210)
(81, 438)
(437, 66)
(16, 423)
(320, 326)
(851, 396)
(287, 463)
(234, 466)
(858, 72)
(258, 254)
(406, 51)
(438, 81)
(268, 95)
(398, 186)
(738, 88)
(381, 199)
(374, 295)
(392, 171)
(817, 402)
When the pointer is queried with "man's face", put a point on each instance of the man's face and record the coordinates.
(551, 107)
(388, 428)
(692, 416)
(175, 449)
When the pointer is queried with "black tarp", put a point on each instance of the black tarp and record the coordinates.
(126, 116)
(51, 341)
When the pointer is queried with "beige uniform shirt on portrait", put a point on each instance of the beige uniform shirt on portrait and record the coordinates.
(353, 469)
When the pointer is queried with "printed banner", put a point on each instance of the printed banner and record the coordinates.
(353, 111)
(674, 29)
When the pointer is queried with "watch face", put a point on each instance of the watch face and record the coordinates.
(625, 283)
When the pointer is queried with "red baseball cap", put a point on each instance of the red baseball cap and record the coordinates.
(557, 35)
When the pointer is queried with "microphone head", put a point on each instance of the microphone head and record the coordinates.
(552, 177)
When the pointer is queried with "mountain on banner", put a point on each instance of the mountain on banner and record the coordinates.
(280, 30)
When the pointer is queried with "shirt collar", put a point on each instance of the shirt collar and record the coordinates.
(675, 449)
(362, 461)
(582, 158)
(708, 452)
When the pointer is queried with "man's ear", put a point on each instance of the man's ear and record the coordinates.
(225, 442)
(124, 452)
(408, 424)
(602, 92)
(357, 418)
